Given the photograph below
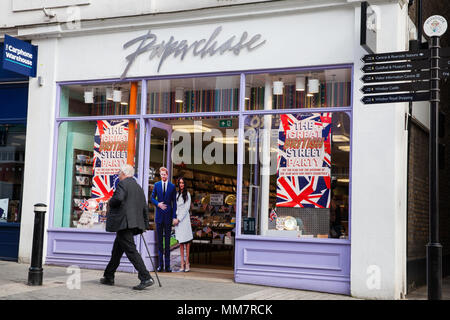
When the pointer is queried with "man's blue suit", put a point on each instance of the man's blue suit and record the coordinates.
(163, 218)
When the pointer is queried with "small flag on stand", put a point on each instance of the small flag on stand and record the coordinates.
(273, 215)
(83, 205)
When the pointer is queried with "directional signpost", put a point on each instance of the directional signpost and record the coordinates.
(406, 75)
(395, 98)
(434, 27)
(409, 76)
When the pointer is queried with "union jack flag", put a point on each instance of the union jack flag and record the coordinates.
(304, 190)
(273, 215)
(84, 205)
(103, 187)
(102, 126)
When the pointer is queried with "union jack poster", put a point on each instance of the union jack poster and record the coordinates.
(304, 160)
(110, 153)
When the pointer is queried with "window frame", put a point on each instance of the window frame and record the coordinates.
(241, 113)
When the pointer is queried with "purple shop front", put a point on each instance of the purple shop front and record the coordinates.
(319, 263)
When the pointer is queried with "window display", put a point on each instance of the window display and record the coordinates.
(97, 100)
(203, 94)
(303, 89)
(296, 175)
(87, 170)
(12, 156)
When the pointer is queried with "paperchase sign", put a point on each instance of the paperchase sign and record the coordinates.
(19, 56)
(157, 49)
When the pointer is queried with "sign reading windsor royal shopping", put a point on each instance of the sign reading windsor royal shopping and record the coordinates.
(110, 153)
(19, 56)
(304, 161)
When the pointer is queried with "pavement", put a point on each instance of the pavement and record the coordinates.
(422, 292)
(61, 283)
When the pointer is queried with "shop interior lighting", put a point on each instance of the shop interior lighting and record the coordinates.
(109, 94)
(339, 134)
(89, 96)
(117, 96)
(343, 180)
(313, 86)
(125, 98)
(179, 93)
(278, 87)
(228, 140)
(247, 92)
(191, 128)
(300, 83)
(340, 138)
(345, 148)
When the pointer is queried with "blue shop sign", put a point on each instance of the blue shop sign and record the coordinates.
(19, 56)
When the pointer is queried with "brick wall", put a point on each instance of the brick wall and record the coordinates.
(418, 172)
(417, 193)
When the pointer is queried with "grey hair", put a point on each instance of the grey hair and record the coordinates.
(127, 170)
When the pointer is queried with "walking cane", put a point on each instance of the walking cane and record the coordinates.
(150, 257)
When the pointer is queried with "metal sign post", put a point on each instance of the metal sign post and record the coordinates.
(434, 27)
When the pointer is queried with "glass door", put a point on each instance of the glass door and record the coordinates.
(158, 148)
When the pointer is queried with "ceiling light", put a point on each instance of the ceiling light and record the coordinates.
(278, 88)
(313, 85)
(247, 92)
(117, 96)
(89, 96)
(344, 148)
(125, 98)
(340, 138)
(179, 93)
(300, 83)
(228, 140)
(343, 180)
(191, 128)
(109, 94)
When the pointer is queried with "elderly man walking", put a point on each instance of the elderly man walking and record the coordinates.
(127, 216)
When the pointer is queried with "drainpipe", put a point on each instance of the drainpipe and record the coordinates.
(419, 22)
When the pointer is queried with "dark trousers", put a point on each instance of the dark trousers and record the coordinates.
(164, 229)
(125, 243)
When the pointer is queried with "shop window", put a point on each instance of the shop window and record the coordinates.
(90, 154)
(296, 175)
(202, 94)
(12, 156)
(303, 89)
(100, 99)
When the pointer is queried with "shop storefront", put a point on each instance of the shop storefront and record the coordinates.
(258, 115)
(13, 118)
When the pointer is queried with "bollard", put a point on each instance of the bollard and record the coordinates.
(35, 271)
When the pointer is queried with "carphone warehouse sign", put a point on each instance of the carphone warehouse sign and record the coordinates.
(19, 56)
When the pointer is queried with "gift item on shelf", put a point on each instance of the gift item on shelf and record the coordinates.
(81, 186)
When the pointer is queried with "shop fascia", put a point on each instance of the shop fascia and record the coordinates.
(202, 48)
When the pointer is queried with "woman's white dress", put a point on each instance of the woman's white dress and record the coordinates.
(183, 230)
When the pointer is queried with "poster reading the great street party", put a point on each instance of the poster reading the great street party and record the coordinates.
(304, 160)
(110, 153)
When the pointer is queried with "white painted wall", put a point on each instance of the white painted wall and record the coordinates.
(378, 226)
(300, 38)
(421, 112)
(300, 44)
(39, 145)
(25, 12)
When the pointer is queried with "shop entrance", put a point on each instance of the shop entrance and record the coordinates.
(202, 151)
